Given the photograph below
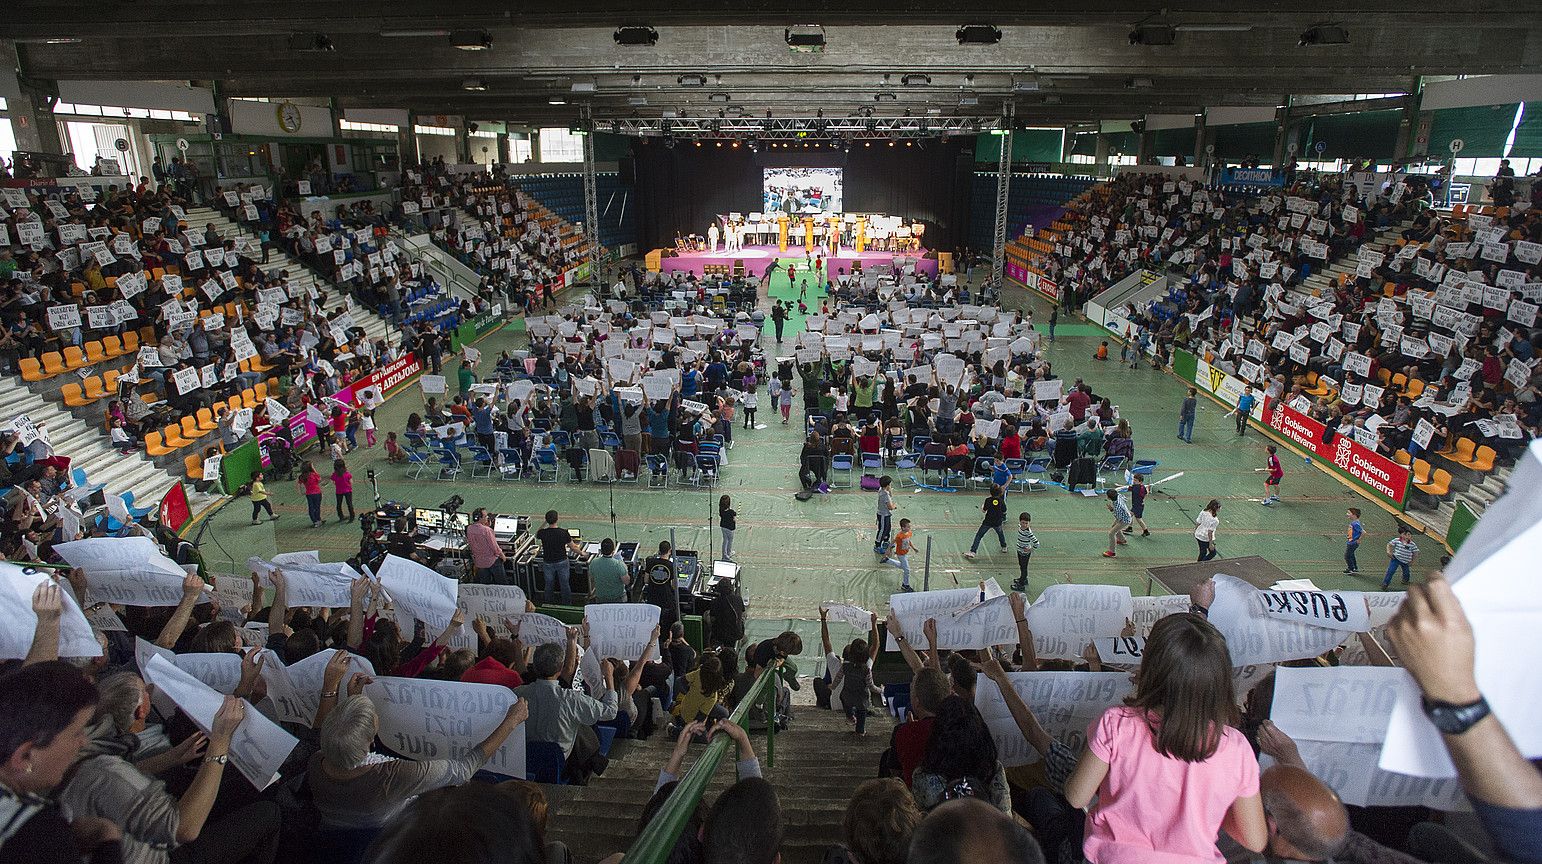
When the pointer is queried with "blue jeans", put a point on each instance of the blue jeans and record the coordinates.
(313, 505)
(903, 563)
(1392, 567)
(1186, 428)
(560, 571)
(1349, 556)
(986, 529)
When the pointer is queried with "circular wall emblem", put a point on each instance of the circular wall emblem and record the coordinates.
(1457, 144)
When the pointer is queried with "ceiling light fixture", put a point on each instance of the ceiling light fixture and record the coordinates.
(636, 36)
(1324, 34)
(1153, 34)
(692, 80)
(808, 38)
(978, 34)
(471, 40)
(473, 84)
(311, 42)
(916, 80)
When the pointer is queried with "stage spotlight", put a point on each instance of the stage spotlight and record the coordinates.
(910, 143)
(736, 144)
(719, 143)
(698, 143)
(891, 143)
(636, 36)
(867, 143)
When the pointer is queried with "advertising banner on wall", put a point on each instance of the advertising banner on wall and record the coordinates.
(1369, 469)
(1226, 387)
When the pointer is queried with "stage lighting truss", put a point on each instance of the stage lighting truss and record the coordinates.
(799, 128)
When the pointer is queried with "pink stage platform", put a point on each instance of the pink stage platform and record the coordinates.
(757, 258)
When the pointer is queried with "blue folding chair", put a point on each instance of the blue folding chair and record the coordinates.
(421, 459)
(546, 465)
(1038, 465)
(78, 480)
(545, 763)
(841, 465)
(137, 513)
(482, 463)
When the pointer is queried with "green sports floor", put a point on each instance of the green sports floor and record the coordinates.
(796, 554)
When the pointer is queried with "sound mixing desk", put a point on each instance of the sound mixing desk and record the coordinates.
(437, 537)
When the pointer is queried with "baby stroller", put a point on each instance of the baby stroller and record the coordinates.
(280, 458)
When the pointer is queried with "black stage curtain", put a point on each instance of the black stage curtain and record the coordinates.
(681, 188)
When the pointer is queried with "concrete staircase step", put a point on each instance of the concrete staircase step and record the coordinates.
(373, 325)
(86, 445)
(819, 764)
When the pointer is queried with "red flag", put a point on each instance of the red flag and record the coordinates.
(174, 509)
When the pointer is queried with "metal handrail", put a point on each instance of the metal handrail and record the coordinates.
(657, 839)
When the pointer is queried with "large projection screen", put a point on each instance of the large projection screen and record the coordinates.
(801, 190)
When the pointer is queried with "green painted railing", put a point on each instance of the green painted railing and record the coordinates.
(654, 844)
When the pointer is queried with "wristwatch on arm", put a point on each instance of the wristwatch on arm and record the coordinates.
(1455, 719)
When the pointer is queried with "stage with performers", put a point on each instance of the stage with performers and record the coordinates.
(757, 259)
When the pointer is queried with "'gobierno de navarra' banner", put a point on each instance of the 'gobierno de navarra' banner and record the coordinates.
(1369, 469)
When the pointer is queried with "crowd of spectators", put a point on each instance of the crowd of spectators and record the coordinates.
(1426, 338)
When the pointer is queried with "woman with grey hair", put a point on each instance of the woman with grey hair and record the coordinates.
(354, 788)
(107, 784)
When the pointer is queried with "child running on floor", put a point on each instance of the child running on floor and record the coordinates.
(1138, 490)
(367, 423)
(1121, 521)
(1401, 552)
(901, 556)
(749, 400)
(1272, 482)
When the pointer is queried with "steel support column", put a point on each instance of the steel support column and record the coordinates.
(591, 204)
(1003, 187)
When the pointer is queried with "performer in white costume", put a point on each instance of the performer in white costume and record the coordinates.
(712, 237)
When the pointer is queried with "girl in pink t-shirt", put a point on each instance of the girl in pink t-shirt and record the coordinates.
(310, 486)
(1168, 769)
(343, 481)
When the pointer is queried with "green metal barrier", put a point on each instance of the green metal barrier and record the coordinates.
(653, 845)
(1462, 522)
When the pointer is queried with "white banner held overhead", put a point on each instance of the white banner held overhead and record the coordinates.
(1066, 703)
(1066, 618)
(130, 571)
(981, 626)
(18, 622)
(1255, 638)
(620, 630)
(259, 746)
(419, 592)
(423, 719)
(1335, 610)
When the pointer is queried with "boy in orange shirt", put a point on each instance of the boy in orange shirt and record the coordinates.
(1102, 353)
(901, 556)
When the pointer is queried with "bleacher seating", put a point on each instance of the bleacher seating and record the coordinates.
(563, 194)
